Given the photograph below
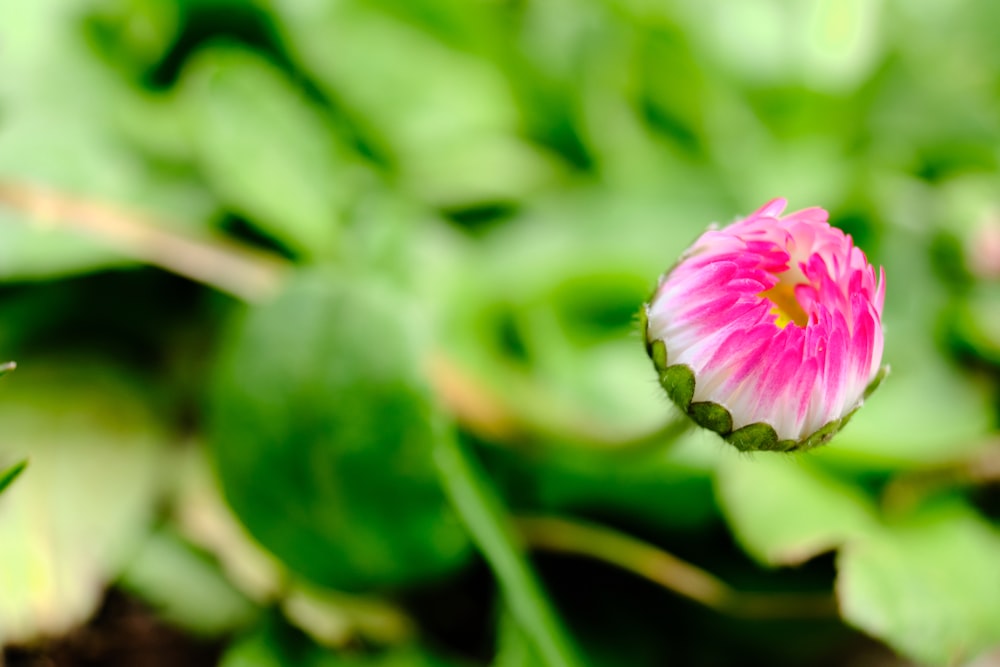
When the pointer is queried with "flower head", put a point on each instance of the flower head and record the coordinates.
(769, 331)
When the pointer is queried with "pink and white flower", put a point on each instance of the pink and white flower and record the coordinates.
(769, 331)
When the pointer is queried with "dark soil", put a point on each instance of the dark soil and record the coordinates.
(124, 633)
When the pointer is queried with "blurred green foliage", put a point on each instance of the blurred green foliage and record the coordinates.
(330, 366)
(12, 473)
(451, 211)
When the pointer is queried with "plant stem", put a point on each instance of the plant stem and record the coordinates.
(666, 570)
(227, 266)
(481, 511)
(908, 488)
(496, 418)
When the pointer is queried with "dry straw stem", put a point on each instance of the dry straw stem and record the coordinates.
(906, 490)
(479, 409)
(231, 268)
(493, 418)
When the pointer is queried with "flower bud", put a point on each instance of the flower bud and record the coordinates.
(769, 331)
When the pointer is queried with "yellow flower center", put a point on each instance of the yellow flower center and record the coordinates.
(785, 305)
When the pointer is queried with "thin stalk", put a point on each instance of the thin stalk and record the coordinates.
(664, 569)
(481, 511)
(496, 418)
(909, 488)
(229, 267)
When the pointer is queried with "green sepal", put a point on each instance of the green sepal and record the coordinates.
(658, 353)
(678, 381)
(755, 437)
(876, 381)
(643, 318)
(712, 416)
(822, 436)
(846, 418)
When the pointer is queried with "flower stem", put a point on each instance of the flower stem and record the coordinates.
(652, 563)
(481, 511)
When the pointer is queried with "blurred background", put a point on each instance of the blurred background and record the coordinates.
(260, 258)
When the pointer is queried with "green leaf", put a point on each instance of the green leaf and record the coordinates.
(840, 45)
(267, 150)
(322, 431)
(622, 483)
(784, 510)
(135, 35)
(67, 528)
(185, 588)
(10, 474)
(545, 314)
(974, 320)
(251, 652)
(275, 645)
(331, 618)
(453, 131)
(928, 585)
(923, 414)
(54, 136)
(44, 120)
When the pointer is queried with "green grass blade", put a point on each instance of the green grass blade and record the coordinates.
(481, 511)
(9, 475)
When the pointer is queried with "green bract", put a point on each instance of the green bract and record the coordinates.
(679, 382)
